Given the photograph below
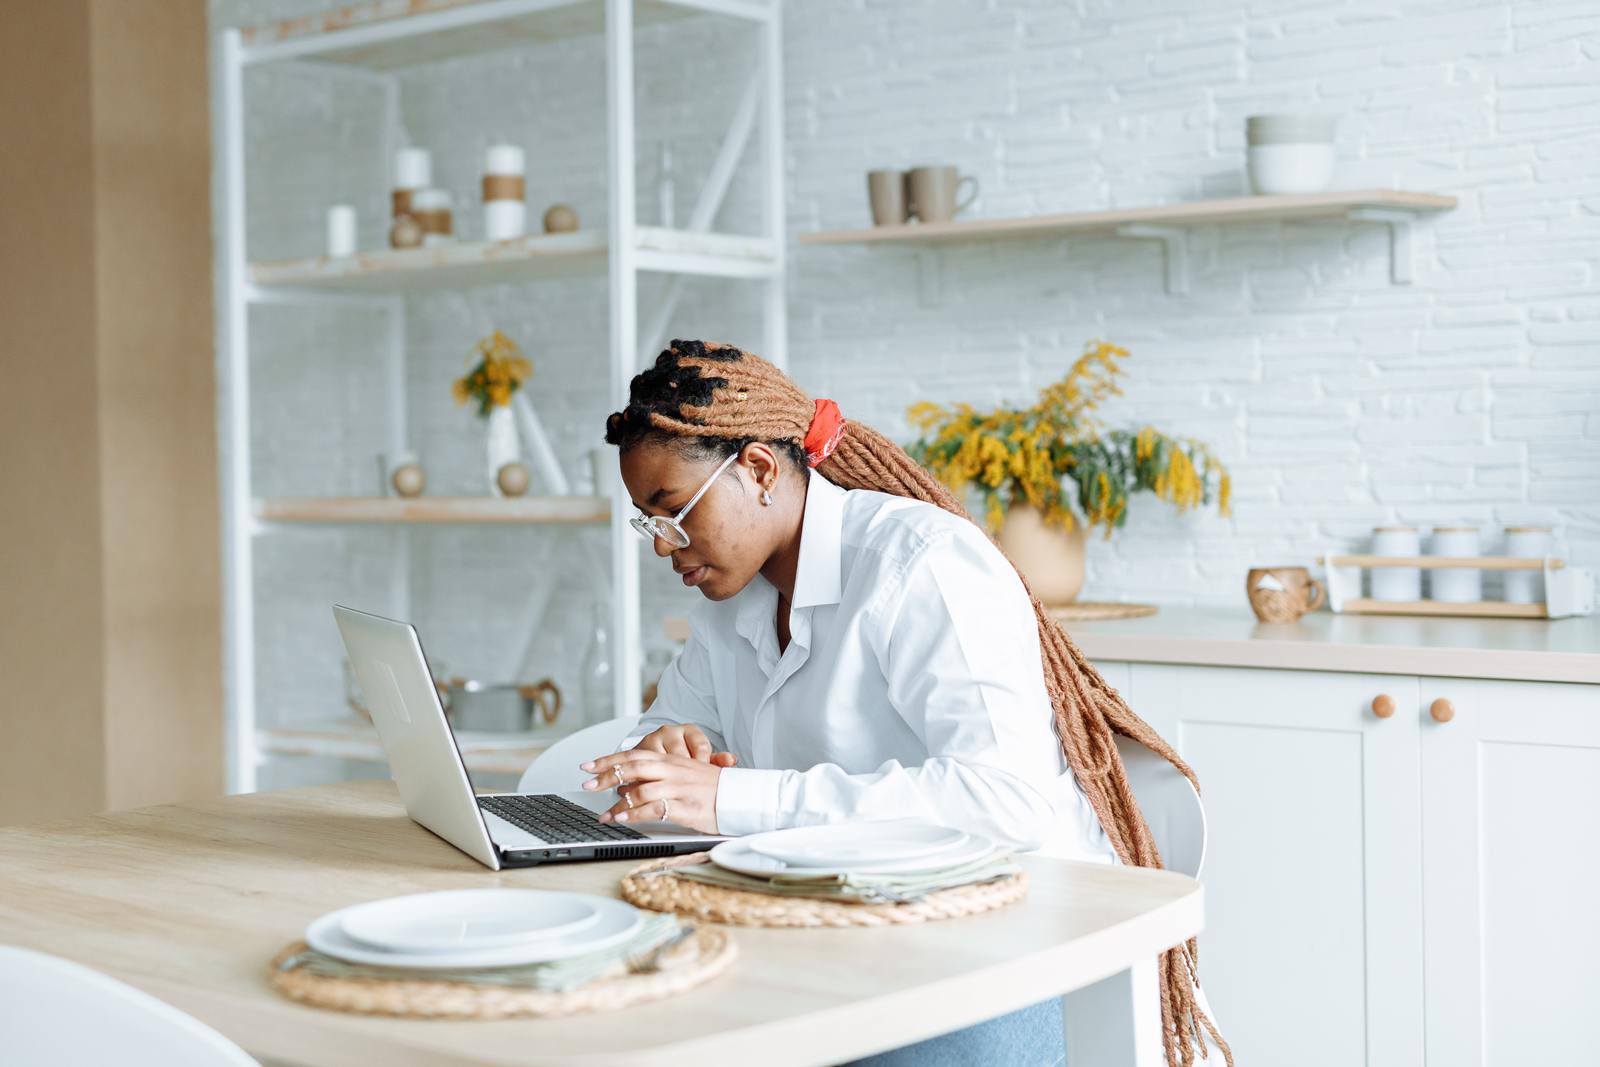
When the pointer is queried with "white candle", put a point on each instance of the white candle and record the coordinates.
(341, 231)
(413, 168)
(504, 159)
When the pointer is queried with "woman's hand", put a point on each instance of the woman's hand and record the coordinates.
(658, 785)
(684, 739)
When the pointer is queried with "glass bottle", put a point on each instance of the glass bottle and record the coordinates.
(594, 685)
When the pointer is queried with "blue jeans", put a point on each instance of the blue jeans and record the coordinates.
(1031, 1037)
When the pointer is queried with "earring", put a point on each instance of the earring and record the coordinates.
(766, 497)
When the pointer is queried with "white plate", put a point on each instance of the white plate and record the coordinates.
(736, 855)
(460, 920)
(618, 921)
(856, 843)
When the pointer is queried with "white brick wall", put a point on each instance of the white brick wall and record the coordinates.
(1339, 400)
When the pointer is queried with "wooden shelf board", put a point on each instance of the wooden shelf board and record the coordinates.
(531, 510)
(456, 264)
(351, 738)
(1493, 609)
(1476, 563)
(1194, 213)
(465, 264)
(391, 34)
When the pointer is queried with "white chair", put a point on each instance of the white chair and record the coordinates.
(56, 1013)
(1100, 1018)
(555, 770)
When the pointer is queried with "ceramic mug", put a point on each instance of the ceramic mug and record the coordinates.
(886, 193)
(933, 193)
(1282, 594)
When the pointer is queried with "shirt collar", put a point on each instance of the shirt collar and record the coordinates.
(817, 576)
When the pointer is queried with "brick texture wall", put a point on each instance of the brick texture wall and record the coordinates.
(1339, 400)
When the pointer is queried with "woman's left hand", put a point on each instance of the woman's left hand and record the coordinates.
(658, 786)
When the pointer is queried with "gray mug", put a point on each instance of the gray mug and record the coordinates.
(933, 192)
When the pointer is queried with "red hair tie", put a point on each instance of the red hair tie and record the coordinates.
(827, 426)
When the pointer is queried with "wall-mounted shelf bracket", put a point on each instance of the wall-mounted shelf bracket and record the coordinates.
(1175, 251)
(1399, 223)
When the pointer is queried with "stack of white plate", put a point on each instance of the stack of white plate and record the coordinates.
(902, 846)
(467, 928)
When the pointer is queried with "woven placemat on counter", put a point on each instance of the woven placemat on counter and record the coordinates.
(653, 885)
(699, 958)
(1092, 609)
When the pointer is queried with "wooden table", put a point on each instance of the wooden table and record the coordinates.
(189, 902)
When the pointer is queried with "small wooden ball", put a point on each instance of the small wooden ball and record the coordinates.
(512, 479)
(560, 219)
(409, 479)
(405, 233)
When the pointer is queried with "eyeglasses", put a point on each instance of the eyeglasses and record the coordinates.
(671, 530)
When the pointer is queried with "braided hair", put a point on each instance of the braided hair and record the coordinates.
(709, 400)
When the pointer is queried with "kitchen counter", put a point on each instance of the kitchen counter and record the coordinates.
(1561, 650)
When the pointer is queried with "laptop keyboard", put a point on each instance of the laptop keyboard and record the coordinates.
(555, 819)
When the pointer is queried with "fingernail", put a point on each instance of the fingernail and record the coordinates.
(605, 816)
(592, 783)
(622, 816)
(589, 766)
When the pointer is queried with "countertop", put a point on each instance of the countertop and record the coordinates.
(1560, 650)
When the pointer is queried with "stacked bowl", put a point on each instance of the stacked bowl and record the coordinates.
(1290, 153)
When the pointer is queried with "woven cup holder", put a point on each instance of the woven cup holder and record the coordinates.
(702, 956)
(654, 885)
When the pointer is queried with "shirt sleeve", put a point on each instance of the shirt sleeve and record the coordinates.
(956, 639)
(684, 694)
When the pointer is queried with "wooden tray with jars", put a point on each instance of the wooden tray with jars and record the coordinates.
(1568, 590)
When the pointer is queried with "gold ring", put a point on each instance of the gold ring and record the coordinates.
(664, 809)
(629, 798)
(621, 781)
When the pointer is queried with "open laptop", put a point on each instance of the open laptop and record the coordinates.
(503, 830)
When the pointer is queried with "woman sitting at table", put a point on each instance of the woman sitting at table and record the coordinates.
(864, 651)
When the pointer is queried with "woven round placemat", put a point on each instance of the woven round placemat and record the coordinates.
(1092, 609)
(653, 885)
(698, 959)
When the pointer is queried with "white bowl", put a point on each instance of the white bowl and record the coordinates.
(1290, 168)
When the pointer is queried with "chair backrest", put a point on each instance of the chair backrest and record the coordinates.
(54, 1011)
(1171, 806)
(555, 770)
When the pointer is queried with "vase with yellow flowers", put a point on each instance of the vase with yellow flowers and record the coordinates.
(498, 371)
(1051, 472)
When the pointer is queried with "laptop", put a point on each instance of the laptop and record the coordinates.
(500, 830)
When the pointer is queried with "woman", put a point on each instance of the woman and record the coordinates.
(865, 651)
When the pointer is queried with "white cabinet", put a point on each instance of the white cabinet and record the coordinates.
(1312, 952)
(1511, 872)
(1351, 854)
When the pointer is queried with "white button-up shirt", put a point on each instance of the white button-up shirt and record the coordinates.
(912, 685)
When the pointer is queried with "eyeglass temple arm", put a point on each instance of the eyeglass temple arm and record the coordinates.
(702, 492)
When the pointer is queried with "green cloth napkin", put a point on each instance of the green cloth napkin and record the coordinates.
(638, 953)
(858, 887)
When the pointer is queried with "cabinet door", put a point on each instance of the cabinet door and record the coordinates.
(1119, 676)
(1312, 952)
(1511, 863)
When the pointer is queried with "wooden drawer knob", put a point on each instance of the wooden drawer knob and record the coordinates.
(1383, 705)
(1442, 710)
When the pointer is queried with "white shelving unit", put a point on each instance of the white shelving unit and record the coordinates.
(375, 39)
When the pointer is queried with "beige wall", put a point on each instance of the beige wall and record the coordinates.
(110, 678)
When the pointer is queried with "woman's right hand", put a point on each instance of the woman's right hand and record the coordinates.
(685, 739)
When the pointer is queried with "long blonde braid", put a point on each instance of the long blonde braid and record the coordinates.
(728, 396)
